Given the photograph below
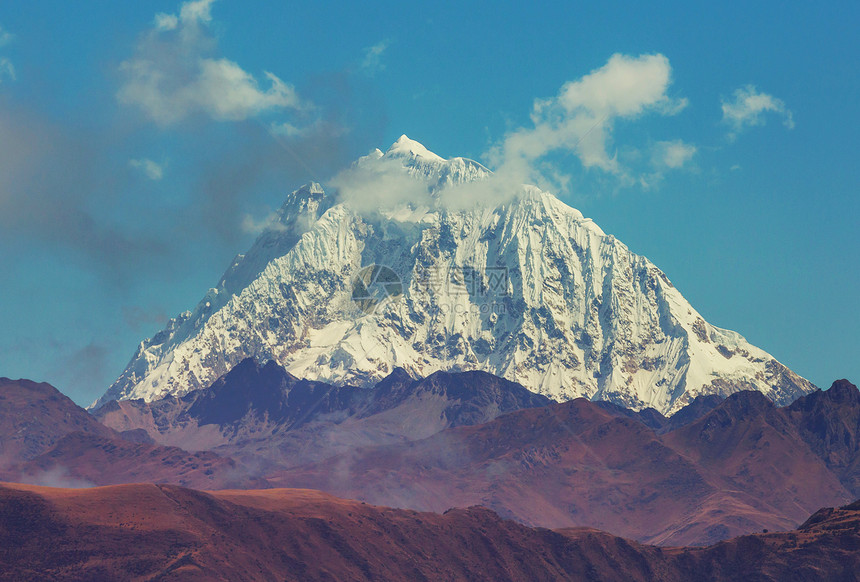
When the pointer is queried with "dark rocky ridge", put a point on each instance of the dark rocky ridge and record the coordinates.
(263, 406)
(829, 424)
(34, 416)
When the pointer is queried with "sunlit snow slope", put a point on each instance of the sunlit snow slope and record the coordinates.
(526, 288)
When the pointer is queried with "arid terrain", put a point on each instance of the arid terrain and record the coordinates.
(163, 532)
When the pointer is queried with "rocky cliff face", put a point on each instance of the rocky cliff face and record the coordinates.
(343, 291)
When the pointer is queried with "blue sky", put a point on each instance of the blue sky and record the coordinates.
(125, 189)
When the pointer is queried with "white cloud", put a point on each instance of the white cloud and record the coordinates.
(287, 129)
(166, 21)
(673, 154)
(228, 92)
(580, 118)
(174, 75)
(495, 190)
(665, 156)
(373, 184)
(196, 11)
(150, 169)
(623, 87)
(372, 61)
(190, 15)
(7, 69)
(748, 108)
(5, 37)
(251, 225)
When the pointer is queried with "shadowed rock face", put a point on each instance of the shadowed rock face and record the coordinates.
(263, 411)
(700, 406)
(829, 422)
(269, 391)
(171, 533)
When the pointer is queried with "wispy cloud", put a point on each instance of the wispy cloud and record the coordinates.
(53, 185)
(748, 107)
(190, 13)
(165, 22)
(372, 61)
(57, 476)
(87, 365)
(580, 119)
(252, 225)
(666, 156)
(672, 154)
(5, 36)
(7, 69)
(285, 129)
(377, 184)
(152, 170)
(137, 317)
(174, 74)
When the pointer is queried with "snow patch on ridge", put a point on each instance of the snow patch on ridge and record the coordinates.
(410, 148)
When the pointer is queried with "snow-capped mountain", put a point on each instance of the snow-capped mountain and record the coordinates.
(344, 287)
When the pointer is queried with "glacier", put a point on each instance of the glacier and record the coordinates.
(430, 276)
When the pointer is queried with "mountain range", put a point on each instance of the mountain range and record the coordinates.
(402, 267)
(716, 469)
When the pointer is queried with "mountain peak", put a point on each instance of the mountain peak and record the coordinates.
(747, 402)
(844, 388)
(519, 285)
(405, 147)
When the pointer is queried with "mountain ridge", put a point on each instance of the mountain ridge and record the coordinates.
(711, 471)
(742, 466)
(46, 438)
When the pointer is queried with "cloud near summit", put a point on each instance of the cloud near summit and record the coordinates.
(579, 120)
